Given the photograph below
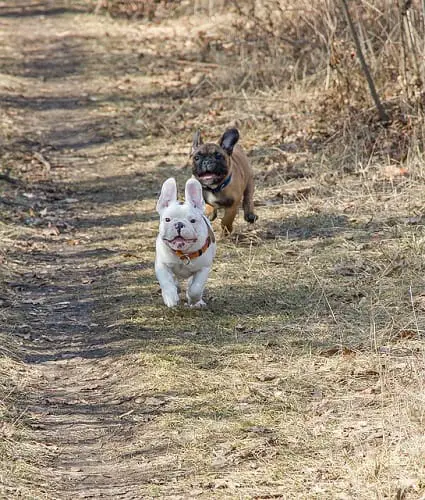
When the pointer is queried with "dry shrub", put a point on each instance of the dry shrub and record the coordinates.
(312, 38)
(308, 47)
(133, 8)
(280, 42)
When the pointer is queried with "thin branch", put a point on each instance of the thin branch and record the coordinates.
(403, 50)
(381, 111)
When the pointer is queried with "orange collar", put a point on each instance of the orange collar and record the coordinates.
(189, 256)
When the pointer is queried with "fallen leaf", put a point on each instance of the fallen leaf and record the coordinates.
(405, 334)
(338, 350)
(259, 429)
(366, 373)
(391, 171)
(265, 377)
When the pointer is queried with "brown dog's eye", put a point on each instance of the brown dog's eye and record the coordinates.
(197, 158)
(218, 156)
(193, 221)
(167, 219)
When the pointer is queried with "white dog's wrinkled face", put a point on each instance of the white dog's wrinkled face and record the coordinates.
(182, 226)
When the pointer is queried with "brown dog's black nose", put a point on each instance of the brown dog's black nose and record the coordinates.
(179, 226)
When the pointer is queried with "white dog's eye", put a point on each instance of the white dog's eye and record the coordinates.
(193, 221)
(167, 219)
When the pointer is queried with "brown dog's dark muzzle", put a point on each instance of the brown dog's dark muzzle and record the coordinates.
(209, 166)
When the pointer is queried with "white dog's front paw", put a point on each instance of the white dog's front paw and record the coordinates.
(198, 304)
(170, 299)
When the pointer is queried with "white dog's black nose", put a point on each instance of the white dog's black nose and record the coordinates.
(179, 226)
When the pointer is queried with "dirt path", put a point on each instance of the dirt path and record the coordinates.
(60, 88)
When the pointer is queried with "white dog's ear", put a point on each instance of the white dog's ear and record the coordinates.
(168, 194)
(193, 194)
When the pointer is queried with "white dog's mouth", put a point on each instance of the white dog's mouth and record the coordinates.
(180, 242)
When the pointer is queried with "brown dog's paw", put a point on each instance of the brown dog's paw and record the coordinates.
(251, 218)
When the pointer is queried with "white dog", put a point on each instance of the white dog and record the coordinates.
(185, 247)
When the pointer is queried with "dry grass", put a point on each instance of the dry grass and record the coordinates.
(21, 458)
(305, 376)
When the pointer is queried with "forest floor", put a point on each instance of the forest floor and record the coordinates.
(304, 376)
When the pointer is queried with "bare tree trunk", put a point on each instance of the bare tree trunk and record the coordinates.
(381, 111)
(403, 52)
(411, 41)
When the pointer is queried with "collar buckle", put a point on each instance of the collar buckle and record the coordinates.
(185, 259)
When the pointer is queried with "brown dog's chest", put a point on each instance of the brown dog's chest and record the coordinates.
(218, 200)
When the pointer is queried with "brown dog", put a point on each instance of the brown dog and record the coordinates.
(226, 177)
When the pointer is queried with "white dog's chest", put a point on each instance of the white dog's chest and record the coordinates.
(182, 270)
(185, 269)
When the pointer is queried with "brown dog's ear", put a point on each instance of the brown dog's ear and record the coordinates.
(229, 139)
(196, 142)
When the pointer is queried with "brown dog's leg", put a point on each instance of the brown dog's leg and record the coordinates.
(248, 202)
(228, 218)
(210, 212)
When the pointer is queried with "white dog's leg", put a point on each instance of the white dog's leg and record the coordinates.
(196, 288)
(168, 285)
